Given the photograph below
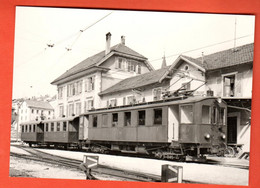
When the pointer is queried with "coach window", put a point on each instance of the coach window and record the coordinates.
(30, 128)
(186, 114)
(141, 115)
(94, 120)
(34, 128)
(127, 118)
(52, 127)
(22, 128)
(222, 116)
(65, 126)
(104, 120)
(157, 116)
(205, 114)
(46, 127)
(58, 126)
(114, 119)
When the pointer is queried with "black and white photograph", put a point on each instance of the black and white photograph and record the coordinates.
(127, 95)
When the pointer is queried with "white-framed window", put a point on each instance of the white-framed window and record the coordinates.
(71, 109)
(185, 86)
(121, 63)
(61, 111)
(88, 104)
(229, 84)
(78, 108)
(130, 99)
(113, 102)
(157, 93)
(90, 83)
(60, 92)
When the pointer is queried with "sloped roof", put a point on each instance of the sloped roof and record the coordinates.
(227, 58)
(38, 104)
(137, 81)
(96, 59)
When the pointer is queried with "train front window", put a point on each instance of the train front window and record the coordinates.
(127, 118)
(214, 115)
(205, 114)
(186, 114)
(157, 116)
(222, 116)
(141, 115)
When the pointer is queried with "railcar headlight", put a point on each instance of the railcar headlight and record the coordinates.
(207, 136)
(223, 136)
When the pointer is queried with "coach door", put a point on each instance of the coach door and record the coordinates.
(83, 127)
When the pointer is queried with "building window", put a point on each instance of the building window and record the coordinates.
(60, 92)
(88, 105)
(186, 114)
(130, 100)
(78, 108)
(229, 85)
(205, 119)
(157, 116)
(90, 84)
(94, 120)
(114, 119)
(49, 112)
(112, 102)
(37, 112)
(71, 109)
(157, 94)
(61, 111)
(185, 86)
(127, 118)
(32, 111)
(141, 117)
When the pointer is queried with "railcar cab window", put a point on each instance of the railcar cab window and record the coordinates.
(222, 119)
(141, 117)
(214, 115)
(186, 114)
(94, 120)
(127, 118)
(205, 119)
(157, 116)
(114, 119)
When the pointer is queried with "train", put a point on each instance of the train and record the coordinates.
(178, 128)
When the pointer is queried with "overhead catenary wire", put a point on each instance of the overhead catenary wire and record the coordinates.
(201, 47)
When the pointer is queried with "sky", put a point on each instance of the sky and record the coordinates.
(76, 34)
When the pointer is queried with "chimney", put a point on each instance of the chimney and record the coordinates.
(123, 40)
(108, 41)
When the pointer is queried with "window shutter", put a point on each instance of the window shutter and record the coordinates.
(116, 63)
(115, 102)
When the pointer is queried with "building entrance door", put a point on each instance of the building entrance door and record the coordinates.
(232, 130)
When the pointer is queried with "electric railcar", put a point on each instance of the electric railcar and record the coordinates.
(171, 129)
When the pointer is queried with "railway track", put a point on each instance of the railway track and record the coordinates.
(40, 156)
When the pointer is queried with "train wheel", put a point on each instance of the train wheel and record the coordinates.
(30, 145)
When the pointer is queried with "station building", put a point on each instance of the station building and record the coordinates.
(226, 74)
(79, 87)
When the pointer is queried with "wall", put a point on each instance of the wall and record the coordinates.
(243, 80)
